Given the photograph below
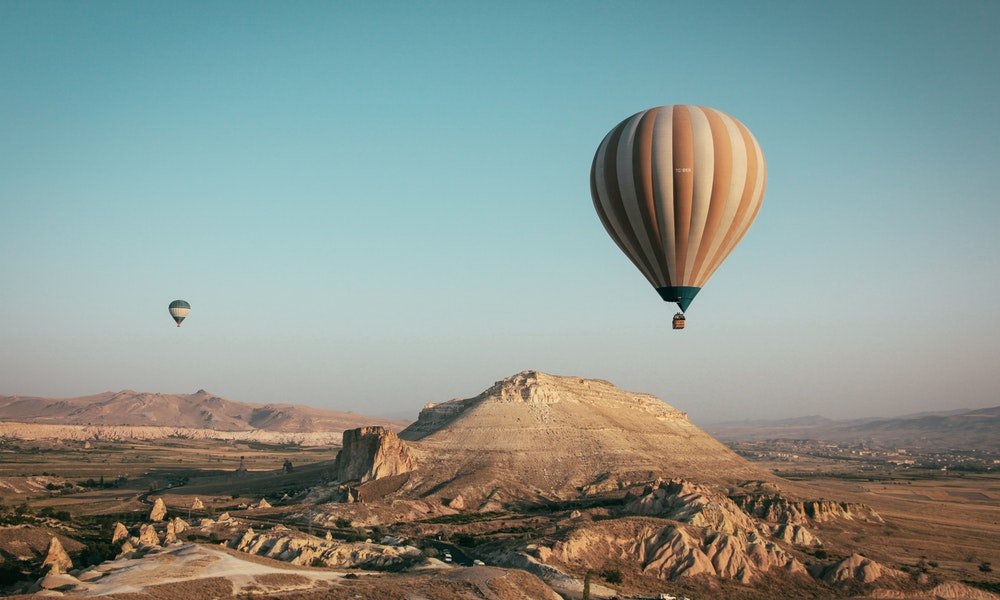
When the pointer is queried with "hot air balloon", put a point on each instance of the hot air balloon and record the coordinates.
(677, 187)
(179, 310)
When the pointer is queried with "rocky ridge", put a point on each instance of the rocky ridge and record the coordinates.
(302, 549)
(115, 433)
(200, 410)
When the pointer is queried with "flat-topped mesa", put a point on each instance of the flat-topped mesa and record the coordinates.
(537, 389)
(372, 453)
(536, 436)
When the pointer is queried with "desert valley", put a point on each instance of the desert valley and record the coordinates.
(541, 487)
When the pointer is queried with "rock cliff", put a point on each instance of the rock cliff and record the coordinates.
(370, 453)
(779, 509)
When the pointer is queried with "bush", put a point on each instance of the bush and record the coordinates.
(985, 567)
(613, 576)
(343, 523)
(820, 554)
(10, 573)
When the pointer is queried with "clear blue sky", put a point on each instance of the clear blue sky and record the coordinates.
(371, 207)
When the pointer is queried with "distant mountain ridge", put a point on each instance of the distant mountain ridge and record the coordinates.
(961, 429)
(201, 410)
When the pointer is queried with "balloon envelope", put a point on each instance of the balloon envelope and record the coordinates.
(677, 187)
(179, 310)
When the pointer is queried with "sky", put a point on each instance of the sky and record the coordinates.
(371, 206)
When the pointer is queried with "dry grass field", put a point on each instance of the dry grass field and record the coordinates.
(108, 477)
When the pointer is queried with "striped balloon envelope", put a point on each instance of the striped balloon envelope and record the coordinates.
(179, 310)
(677, 187)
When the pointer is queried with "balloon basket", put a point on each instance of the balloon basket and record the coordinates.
(679, 321)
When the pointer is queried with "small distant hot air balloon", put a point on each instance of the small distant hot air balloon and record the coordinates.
(179, 310)
(677, 187)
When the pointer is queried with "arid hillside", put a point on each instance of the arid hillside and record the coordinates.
(535, 436)
(201, 410)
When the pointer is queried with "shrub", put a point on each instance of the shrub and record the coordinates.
(613, 576)
(10, 573)
(985, 567)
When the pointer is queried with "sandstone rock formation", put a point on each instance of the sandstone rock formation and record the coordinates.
(158, 512)
(535, 436)
(56, 558)
(857, 568)
(779, 509)
(796, 535)
(197, 505)
(179, 525)
(952, 590)
(372, 453)
(670, 551)
(148, 535)
(58, 581)
(298, 548)
(690, 503)
(263, 504)
(170, 537)
(120, 533)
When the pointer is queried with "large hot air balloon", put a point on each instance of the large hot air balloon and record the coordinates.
(179, 310)
(677, 187)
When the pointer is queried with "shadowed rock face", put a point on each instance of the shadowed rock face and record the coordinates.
(120, 533)
(372, 453)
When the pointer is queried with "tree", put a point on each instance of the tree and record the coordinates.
(586, 586)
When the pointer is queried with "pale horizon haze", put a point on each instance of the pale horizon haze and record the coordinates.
(371, 206)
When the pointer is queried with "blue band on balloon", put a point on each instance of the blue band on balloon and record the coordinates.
(681, 294)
